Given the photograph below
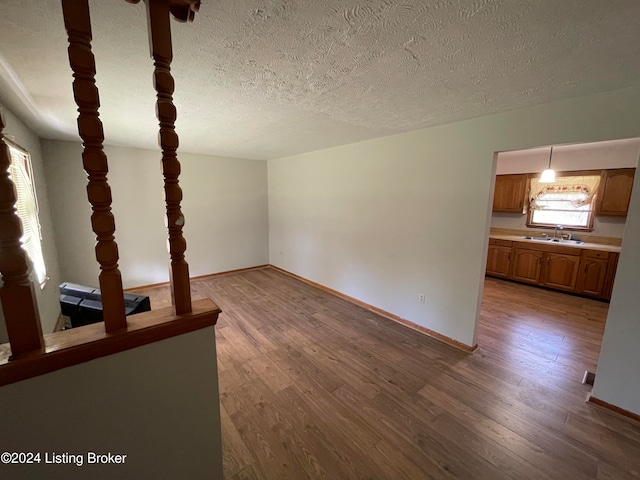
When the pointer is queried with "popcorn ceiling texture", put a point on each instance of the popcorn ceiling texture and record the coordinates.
(266, 79)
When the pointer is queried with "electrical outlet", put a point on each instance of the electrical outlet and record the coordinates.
(421, 298)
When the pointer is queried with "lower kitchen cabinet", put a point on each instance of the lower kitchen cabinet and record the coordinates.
(561, 271)
(527, 265)
(597, 270)
(498, 260)
(579, 270)
(499, 257)
(593, 273)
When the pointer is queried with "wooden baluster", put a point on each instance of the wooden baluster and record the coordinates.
(78, 24)
(160, 42)
(17, 293)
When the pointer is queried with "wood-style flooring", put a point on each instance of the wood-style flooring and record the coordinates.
(313, 386)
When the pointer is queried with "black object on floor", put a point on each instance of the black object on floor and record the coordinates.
(84, 304)
(589, 378)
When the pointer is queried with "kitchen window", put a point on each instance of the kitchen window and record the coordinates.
(21, 173)
(569, 201)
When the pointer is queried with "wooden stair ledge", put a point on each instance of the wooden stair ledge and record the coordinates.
(71, 347)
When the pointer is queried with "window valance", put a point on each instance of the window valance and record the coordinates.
(578, 190)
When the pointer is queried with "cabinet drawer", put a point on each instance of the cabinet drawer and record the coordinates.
(502, 243)
(595, 254)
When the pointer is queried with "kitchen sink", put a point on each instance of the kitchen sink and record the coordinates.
(556, 240)
(569, 242)
(538, 239)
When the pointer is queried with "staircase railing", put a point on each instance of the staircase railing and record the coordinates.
(30, 352)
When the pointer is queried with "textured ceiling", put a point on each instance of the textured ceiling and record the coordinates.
(271, 78)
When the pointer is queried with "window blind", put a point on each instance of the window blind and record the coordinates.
(27, 208)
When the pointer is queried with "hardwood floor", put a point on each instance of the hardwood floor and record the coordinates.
(315, 387)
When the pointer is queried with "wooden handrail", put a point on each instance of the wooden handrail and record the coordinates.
(82, 344)
(78, 24)
(17, 293)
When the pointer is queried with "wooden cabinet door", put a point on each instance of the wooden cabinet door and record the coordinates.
(615, 192)
(526, 265)
(611, 275)
(592, 276)
(498, 261)
(561, 271)
(509, 193)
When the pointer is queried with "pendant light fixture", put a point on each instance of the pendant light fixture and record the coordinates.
(548, 176)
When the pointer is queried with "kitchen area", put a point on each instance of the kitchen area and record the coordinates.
(564, 234)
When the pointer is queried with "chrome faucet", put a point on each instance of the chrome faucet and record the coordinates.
(555, 232)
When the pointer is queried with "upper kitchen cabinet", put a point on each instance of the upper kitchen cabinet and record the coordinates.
(510, 192)
(615, 192)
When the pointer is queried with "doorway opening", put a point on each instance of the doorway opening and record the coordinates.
(547, 284)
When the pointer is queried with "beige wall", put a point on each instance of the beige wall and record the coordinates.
(47, 297)
(225, 207)
(157, 404)
(387, 219)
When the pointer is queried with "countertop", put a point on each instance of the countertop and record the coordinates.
(584, 246)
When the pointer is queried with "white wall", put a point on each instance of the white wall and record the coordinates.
(589, 156)
(49, 297)
(617, 375)
(387, 219)
(583, 156)
(225, 207)
(158, 404)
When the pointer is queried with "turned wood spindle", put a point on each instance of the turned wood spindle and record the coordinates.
(17, 293)
(158, 13)
(78, 24)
